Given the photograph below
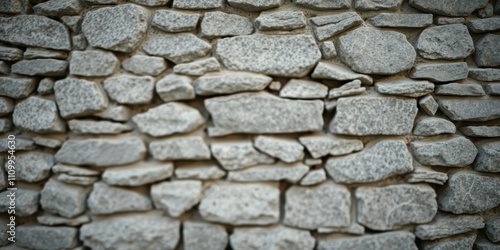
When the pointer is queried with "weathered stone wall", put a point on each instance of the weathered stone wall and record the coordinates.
(250, 124)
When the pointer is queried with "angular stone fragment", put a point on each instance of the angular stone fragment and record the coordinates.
(338, 72)
(79, 42)
(40, 67)
(138, 174)
(173, 21)
(199, 172)
(391, 207)
(253, 5)
(487, 11)
(64, 199)
(195, 4)
(10, 54)
(313, 177)
(115, 113)
(303, 89)
(329, 26)
(463, 241)
(218, 23)
(106, 199)
(77, 97)
(77, 180)
(180, 148)
(470, 109)
(169, 118)
(488, 157)
(198, 68)
(276, 237)
(46, 86)
(291, 173)
(444, 225)
(426, 174)
(406, 87)
(6, 106)
(283, 149)
(49, 141)
(487, 75)
(57, 8)
(492, 89)
(460, 89)
(176, 197)
(377, 5)
(323, 4)
(5, 125)
(74, 23)
(38, 115)
(453, 152)
(401, 20)
(493, 229)
(97, 127)
(256, 113)
(351, 88)
(21, 144)
(178, 48)
(93, 63)
(33, 166)
(238, 155)
(16, 87)
(240, 204)
(440, 72)
(128, 89)
(481, 131)
(325, 144)
(43, 237)
(4, 68)
(151, 2)
(74, 170)
(145, 65)
(486, 54)
(283, 20)
(484, 25)
(26, 201)
(201, 235)
(230, 82)
(121, 28)
(53, 220)
(456, 8)
(388, 241)
(433, 126)
(175, 87)
(101, 152)
(275, 55)
(328, 50)
(445, 42)
(449, 20)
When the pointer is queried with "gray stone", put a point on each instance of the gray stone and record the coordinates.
(240, 204)
(484, 25)
(338, 72)
(77, 180)
(325, 144)
(493, 229)
(324, 4)
(303, 89)
(456, 8)
(374, 116)
(349, 89)
(444, 225)
(486, 55)
(106, 199)
(433, 126)
(392, 20)
(175, 87)
(354, 228)
(43, 237)
(38, 115)
(63, 199)
(6, 125)
(138, 174)
(16, 87)
(487, 11)
(74, 23)
(404, 87)
(48, 142)
(470, 109)
(180, 148)
(101, 1)
(138, 231)
(195, 4)
(33, 53)
(4, 68)
(460, 89)
(121, 28)
(92, 63)
(398, 240)
(238, 155)
(36, 31)
(177, 47)
(129, 89)
(426, 174)
(324, 205)
(97, 127)
(145, 65)
(173, 21)
(484, 244)
(200, 235)
(481, 131)
(60, 168)
(79, 42)
(101, 152)
(492, 89)
(6, 106)
(33, 166)
(388, 52)
(276, 237)
(115, 112)
(269, 54)
(291, 173)
(452, 152)
(151, 2)
(440, 72)
(169, 118)
(10, 54)
(283, 20)
(469, 192)
(486, 75)
(380, 161)
(46, 86)
(464, 241)
(328, 50)
(77, 97)
(218, 23)
(57, 8)
(176, 197)
(330, 19)
(488, 157)
(53, 220)
(256, 113)
(286, 150)
(377, 5)
(40, 67)
(445, 42)
(13, 7)
(198, 68)
(335, 24)
(252, 5)
(391, 207)
(26, 201)
(230, 82)
(313, 177)
(449, 20)
(21, 144)
(199, 172)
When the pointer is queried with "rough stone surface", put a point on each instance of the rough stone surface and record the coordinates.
(230, 82)
(485, 54)
(127, 89)
(43, 237)
(138, 174)
(283, 20)
(440, 72)
(277, 237)
(456, 8)
(481, 131)
(338, 72)
(426, 174)
(199, 235)
(460, 89)
(115, 113)
(176, 197)
(106, 199)
(252, 5)
(180, 148)
(74, 170)
(303, 89)
(389, 20)
(198, 68)
(46, 86)
(390, 241)
(487, 75)
(238, 155)
(218, 23)
(93, 63)
(349, 89)
(194, 4)
(10, 54)
(173, 21)
(492, 89)
(53, 220)
(328, 50)
(178, 47)
(322, 145)
(291, 173)
(97, 127)
(488, 157)
(433, 126)
(77, 97)
(464, 241)
(33, 53)
(6, 106)
(283, 149)
(470, 109)
(445, 42)
(40, 67)
(404, 87)
(329, 26)
(33, 166)
(16, 87)
(313, 177)
(323, 4)
(200, 172)
(484, 25)
(493, 229)
(377, 5)
(57, 8)
(445, 225)
(26, 202)
(174, 87)
(63, 199)
(38, 115)
(145, 65)
(452, 152)
(77, 180)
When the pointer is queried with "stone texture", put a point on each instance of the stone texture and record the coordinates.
(74, 170)
(445, 42)
(199, 172)
(388, 52)
(388, 241)
(303, 89)
(338, 72)
(218, 23)
(390, 20)
(464, 241)
(470, 109)
(151, 2)
(198, 68)
(452, 152)
(33, 166)
(426, 174)
(291, 173)
(53, 220)
(26, 201)
(444, 225)
(40, 67)
(460, 89)
(145, 65)
(391, 207)
(5, 125)
(440, 72)
(121, 28)
(4, 68)
(138, 174)
(200, 235)
(178, 47)
(377, 5)
(404, 87)
(10, 54)
(276, 237)
(43, 237)
(493, 229)
(328, 50)
(74, 23)
(323, 4)
(283, 149)
(175, 87)
(255, 112)
(21, 144)
(486, 55)
(194, 4)
(325, 205)
(176, 197)
(349, 89)
(6, 106)
(486, 75)
(128, 89)
(433, 126)
(456, 8)
(16, 87)
(252, 5)
(77, 180)
(313, 177)
(38, 115)
(240, 204)
(46, 86)
(180, 148)
(283, 20)
(488, 157)
(238, 155)
(230, 82)
(77, 97)
(492, 89)
(97, 127)
(169, 118)
(93, 63)
(323, 144)
(269, 54)
(329, 26)
(449, 20)
(481, 131)
(33, 53)
(173, 21)
(115, 112)
(63, 199)
(484, 25)
(106, 199)
(57, 8)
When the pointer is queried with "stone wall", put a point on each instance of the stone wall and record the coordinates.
(250, 124)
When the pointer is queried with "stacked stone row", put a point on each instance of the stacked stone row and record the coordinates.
(246, 124)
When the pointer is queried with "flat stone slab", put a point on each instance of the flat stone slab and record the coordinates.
(404, 87)
(200, 171)
(470, 109)
(486, 55)
(138, 174)
(481, 131)
(283, 20)
(488, 157)
(180, 148)
(486, 75)
(284, 149)
(462, 241)
(444, 225)
(329, 26)
(377, 5)
(97, 127)
(217, 23)
(338, 72)
(176, 197)
(323, 4)
(427, 126)
(390, 240)
(38, 115)
(253, 5)
(173, 21)
(43, 237)
(290, 173)
(198, 68)
(57, 8)
(105, 199)
(176, 47)
(391, 20)
(449, 42)
(303, 89)
(40, 67)
(456, 8)
(63, 199)
(426, 174)
(452, 152)
(325, 144)
(144, 65)
(130, 89)
(440, 72)
(92, 63)
(271, 237)
(197, 5)
(16, 87)
(484, 25)
(238, 155)
(174, 87)
(460, 89)
(230, 82)
(76, 97)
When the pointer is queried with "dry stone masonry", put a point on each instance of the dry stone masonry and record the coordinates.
(250, 124)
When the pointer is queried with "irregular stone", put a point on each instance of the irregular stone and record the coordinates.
(291, 173)
(115, 112)
(12, 7)
(388, 52)
(97, 127)
(60, 168)
(329, 26)
(338, 72)
(43, 237)
(256, 113)
(33, 166)
(145, 65)
(77, 97)
(77, 180)
(303, 89)
(40, 67)
(173, 21)
(74, 23)
(356, 116)
(101, 1)
(6, 125)
(457, 8)
(128, 89)
(138, 174)
(230, 82)
(240, 204)
(440, 72)
(492, 89)
(26, 201)
(194, 4)
(4, 68)
(323, 4)
(275, 237)
(433, 126)
(251, 5)
(57, 8)
(169, 118)
(286, 150)
(325, 205)
(487, 11)
(325, 144)
(178, 48)
(180, 148)
(328, 50)
(488, 157)
(218, 23)
(6, 106)
(444, 225)
(391, 207)
(36, 31)
(16, 87)
(121, 28)
(199, 172)
(53, 220)
(38, 115)
(106, 199)
(481, 131)
(425, 174)
(269, 54)
(348, 89)
(33, 53)
(174, 87)
(283, 20)
(484, 244)
(484, 25)
(238, 155)
(493, 229)
(79, 42)
(487, 75)
(176, 197)
(460, 89)
(470, 109)
(453, 152)
(377, 5)
(46, 86)
(354, 228)
(200, 235)
(445, 42)
(469, 192)
(93, 63)
(405, 87)
(138, 231)
(486, 55)
(389, 241)
(464, 241)
(21, 144)
(63, 199)
(151, 2)
(401, 20)
(101, 152)
(198, 68)
(10, 54)
(449, 20)
(313, 177)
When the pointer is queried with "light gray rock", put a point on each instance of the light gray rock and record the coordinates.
(38, 115)
(313, 177)
(481, 131)
(488, 157)
(492, 89)
(484, 25)
(174, 87)
(115, 112)
(338, 72)
(121, 28)
(392, 20)
(303, 89)
(460, 89)
(240, 204)
(290, 173)
(46, 86)
(404, 87)
(354, 228)
(201, 235)
(16, 87)
(463, 241)
(199, 172)
(77, 97)
(198, 68)
(252, 5)
(230, 82)
(452, 152)
(324, 205)
(285, 150)
(138, 174)
(43, 237)
(493, 229)
(151, 2)
(374, 116)
(486, 75)
(169, 118)
(33, 166)
(57, 8)
(398, 240)
(33, 53)
(63, 199)
(195, 4)
(485, 54)
(21, 144)
(269, 54)
(74, 23)
(388, 52)
(433, 126)
(283, 20)
(60, 168)
(6, 106)
(330, 26)
(351, 88)
(328, 50)
(49, 142)
(145, 65)
(132, 232)
(40, 67)
(276, 237)
(377, 5)
(180, 148)
(457, 8)
(449, 20)
(256, 113)
(53, 220)
(470, 109)
(77, 180)
(101, 152)
(469, 192)
(176, 197)
(129, 89)
(26, 201)
(326, 144)
(445, 42)
(440, 72)
(380, 161)
(426, 174)
(218, 23)
(173, 21)
(238, 155)
(444, 225)
(92, 63)
(106, 199)
(36, 31)
(10, 54)
(391, 207)
(176, 47)
(275, 85)
(97, 127)
(323, 4)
